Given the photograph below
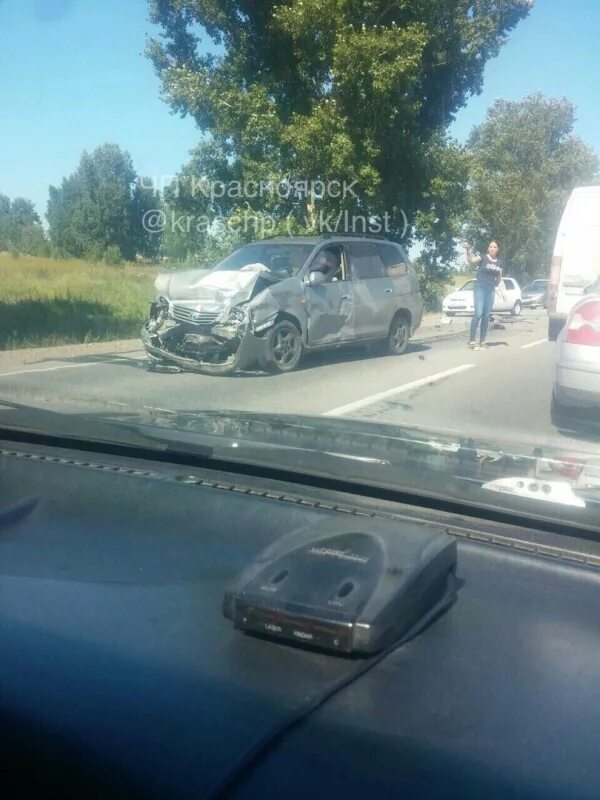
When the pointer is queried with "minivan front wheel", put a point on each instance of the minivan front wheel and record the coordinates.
(284, 347)
(516, 309)
(399, 336)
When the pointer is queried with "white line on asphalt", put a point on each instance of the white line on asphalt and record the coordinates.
(533, 344)
(162, 410)
(62, 366)
(375, 398)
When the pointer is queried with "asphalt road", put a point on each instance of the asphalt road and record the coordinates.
(502, 394)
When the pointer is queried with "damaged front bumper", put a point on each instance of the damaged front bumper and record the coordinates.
(220, 351)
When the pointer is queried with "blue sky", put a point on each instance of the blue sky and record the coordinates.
(73, 75)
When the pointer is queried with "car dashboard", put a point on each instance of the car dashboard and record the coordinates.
(120, 676)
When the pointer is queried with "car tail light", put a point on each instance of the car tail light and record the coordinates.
(583, 326)
(555, 267)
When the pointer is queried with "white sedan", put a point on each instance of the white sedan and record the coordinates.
(508, 299)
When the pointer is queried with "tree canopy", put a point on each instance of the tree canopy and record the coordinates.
(20, 227)
(100, 207)
(525, 161)
(360, 91)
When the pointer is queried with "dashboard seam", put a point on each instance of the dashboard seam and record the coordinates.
(547, 551)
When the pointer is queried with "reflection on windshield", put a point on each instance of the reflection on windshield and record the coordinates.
(300, 208)
(278, 258)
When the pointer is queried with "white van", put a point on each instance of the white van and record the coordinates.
(576, 259)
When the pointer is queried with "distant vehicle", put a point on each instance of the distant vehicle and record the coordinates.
(507, 300)
(271, 301)
(576, 259)
(577, 366)
(535, 294)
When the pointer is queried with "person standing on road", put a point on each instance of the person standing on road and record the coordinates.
(489, 275)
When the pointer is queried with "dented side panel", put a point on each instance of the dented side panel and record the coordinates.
(331, 313)
(286, 297)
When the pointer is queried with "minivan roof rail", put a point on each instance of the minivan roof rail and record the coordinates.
(353, 234)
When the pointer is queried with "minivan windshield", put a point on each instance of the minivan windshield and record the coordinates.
(292, 217)
(278, 258)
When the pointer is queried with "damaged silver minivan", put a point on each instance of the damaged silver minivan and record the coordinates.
(271, 301)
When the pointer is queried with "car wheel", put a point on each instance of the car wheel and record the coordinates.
(516, 309)
(284, 347)
(555, 326)
(399, 336)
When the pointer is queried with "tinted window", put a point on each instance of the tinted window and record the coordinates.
(468, 286)
(393, 259)
(509, 285)
(365, 261)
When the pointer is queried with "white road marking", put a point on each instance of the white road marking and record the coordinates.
(533, 344)
(375, 398)
(162, 410)
(62, 366)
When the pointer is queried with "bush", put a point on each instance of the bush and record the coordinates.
(94, 252)
(112, 256)
(59, 253)
(433, 280)
(34, 241)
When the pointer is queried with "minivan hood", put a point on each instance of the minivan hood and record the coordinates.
(218, 286)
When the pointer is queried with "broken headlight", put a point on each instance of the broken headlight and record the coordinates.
(239, 315)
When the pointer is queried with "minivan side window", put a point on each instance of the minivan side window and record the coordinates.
(365, 261)
(341, 274)
(393, 259)
(508, 284)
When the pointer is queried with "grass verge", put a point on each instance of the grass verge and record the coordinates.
(44, 301)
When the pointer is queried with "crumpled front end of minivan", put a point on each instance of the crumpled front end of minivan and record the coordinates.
(203, 322)
(223, 349)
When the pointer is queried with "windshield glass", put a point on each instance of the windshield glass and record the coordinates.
(285, 219)
(279, 258)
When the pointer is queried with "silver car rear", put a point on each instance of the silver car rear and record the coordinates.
(577, 372)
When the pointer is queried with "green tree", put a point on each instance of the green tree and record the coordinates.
(112, 256)
(20, 227)
(145, 199)
(4, 206)
(524, 162)
(360, 91)
(24, 211)
(100, 206)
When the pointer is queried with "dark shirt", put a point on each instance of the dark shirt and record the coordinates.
(489, 272)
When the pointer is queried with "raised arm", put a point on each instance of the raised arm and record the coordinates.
(472, 259)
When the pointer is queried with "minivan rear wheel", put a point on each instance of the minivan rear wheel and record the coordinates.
(516, 310)
(399, 336)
